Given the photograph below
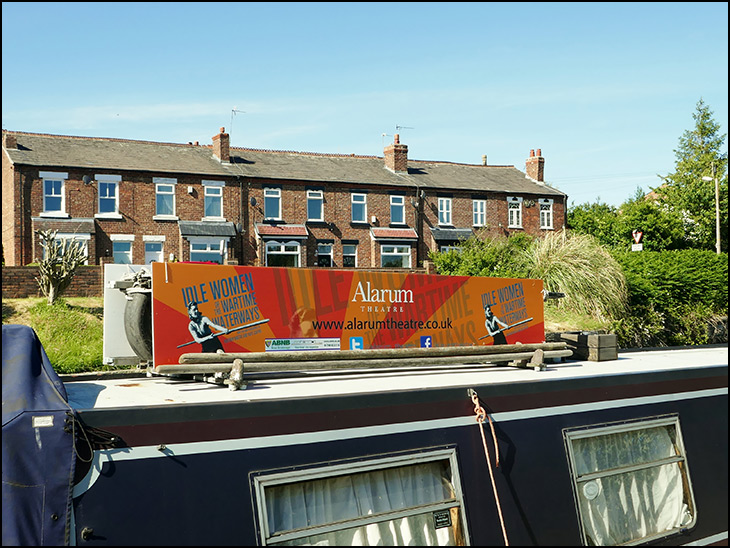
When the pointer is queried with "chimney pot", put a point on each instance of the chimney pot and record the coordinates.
(484, 159)
(539, 152)
(532, 153)
(396, 139)
(223, 130)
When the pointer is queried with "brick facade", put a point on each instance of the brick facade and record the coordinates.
(137, 223)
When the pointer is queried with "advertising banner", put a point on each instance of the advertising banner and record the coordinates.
(210, 308)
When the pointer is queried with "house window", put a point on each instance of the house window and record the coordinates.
(324, 255)
(349, 255)
(282, 253)
(359, 204)
(153, 249)
(444, 211)
(395, 256)
(514, 210)
(393, 501)
(165, 197)
(479, 208)
(208, 249)
(213, 198)
(631, 481)
(398, 210)
(122, 248)
(54, 195)
(65, 239)
(108, 190)
(449, 247)
(315, 205)
(272, 204)
(546, 213)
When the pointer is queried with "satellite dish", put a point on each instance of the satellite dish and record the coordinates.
(87, 179)
(253, 201)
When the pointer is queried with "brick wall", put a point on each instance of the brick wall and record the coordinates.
(19, 282)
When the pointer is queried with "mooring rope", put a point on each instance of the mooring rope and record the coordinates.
(481, 414)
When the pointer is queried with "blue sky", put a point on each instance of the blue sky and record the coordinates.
(605, 90)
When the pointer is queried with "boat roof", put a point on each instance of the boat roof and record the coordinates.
(151, 391)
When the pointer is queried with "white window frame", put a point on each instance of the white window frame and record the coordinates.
(314, 198)
(603, 479)
(514, 212)
(479, 212)
(395, 250)
(353, 254)
(272, 193)
(161, 182)
(397, 203)
(279, 248)
(54, 177)
(213, 191)
(214, 246)
(154, 240)
(453, 505)
(358, 199)
(122, 239)
(546, 214)
(445, 211)
(103, 181)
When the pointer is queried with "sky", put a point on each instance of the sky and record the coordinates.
(604, 90)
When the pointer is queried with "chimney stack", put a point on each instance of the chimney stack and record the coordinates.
(221, 146)
(396, 156)
(9, 141)
(535, 166)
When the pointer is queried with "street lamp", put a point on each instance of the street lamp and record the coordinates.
(717, 207)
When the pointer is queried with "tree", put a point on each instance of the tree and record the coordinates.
(59, 263)
(662, 226)
(599, 220)
(684, 191)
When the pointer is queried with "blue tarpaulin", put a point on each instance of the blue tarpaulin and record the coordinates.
(38, 445)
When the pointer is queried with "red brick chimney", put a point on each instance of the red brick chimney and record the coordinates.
(396, 156)
(535, 166)
(9, 141)
(221, 146)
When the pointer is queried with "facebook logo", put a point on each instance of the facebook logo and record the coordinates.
(426, 341)
(356, 343)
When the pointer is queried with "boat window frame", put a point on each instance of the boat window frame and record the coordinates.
(260, 480)
(619, 427)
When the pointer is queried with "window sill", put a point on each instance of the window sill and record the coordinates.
(55, 215)
(109, 216)
(165, 218)
(214, 219)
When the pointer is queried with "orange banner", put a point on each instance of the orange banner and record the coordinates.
(209, 308)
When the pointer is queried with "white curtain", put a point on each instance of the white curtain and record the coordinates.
(627, 506)
(325, 501)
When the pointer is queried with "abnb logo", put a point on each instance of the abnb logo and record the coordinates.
(426, 341)
(356, 343)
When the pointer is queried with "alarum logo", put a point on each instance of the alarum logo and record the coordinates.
(376, 295)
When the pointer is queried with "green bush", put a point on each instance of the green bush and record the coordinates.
(672, 296)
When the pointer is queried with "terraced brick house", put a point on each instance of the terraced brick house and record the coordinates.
(137, 202)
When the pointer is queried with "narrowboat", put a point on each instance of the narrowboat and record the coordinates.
(522, 443)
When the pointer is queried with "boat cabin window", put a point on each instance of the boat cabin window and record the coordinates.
(397, 501)
(631, 481)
